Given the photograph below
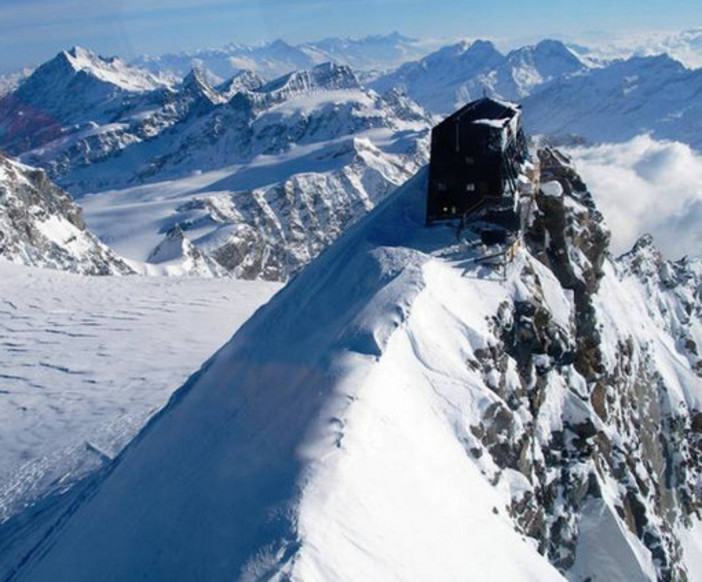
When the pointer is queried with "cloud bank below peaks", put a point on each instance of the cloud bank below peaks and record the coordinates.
(647, 186)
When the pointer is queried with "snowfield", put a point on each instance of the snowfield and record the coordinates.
(85, 361)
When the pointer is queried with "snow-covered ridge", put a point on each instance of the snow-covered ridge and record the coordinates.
(535, 420)
(457, 74)
(40, 225)
(110, 70)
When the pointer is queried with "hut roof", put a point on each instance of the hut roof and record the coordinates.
(486, 111)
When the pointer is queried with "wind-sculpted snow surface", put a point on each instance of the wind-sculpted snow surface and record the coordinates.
(404, 410)
(85, 361)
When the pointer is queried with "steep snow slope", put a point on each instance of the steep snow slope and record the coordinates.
(272, 429)
(400, 409)
(85, 361)
(40, 225)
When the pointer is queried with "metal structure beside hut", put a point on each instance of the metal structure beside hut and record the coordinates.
(474, 174)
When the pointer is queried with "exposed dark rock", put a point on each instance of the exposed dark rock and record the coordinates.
(40, 225)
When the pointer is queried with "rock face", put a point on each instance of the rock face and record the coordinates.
(625, 450)
(40, 225)
(271, 233)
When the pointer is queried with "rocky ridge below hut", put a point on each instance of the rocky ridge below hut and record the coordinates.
(606, 434)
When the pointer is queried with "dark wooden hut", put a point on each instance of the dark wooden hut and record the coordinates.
(476, 155)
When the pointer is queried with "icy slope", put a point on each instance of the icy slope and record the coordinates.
(404, 411)
(40, 225)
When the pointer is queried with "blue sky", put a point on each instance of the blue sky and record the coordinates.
(32, 31)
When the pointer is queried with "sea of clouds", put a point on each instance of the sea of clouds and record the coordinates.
(647, 186)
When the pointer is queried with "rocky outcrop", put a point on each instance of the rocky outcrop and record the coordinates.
(40, 225)
(625, 446)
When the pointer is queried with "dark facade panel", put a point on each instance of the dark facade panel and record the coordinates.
(475, 158)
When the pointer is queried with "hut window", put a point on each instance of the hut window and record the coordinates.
(470, 160)
(470, 187)
(441, 186)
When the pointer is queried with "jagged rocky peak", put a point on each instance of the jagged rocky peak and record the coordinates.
(196, 85)
(243, 81)
(404, 107)
(327, 76)
(41, 226)
(673, 293)
(624, 453)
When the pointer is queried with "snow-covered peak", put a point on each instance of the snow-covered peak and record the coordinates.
(546, 61)
(196, 85)
(481, 49)
(108, 69)
(243, 81)
(326, 76)
(655, 95)
(452, 76)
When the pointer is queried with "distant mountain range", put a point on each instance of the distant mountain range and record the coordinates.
(684, 46)
(270, 60)
(255, 175)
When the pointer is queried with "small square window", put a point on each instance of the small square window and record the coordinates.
(470, 160)
(470, 187)
(441, 186)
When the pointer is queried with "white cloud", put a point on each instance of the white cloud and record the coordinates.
(647, 186)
